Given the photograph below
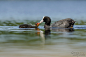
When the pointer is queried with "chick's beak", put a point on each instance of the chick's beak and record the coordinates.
(37, 24)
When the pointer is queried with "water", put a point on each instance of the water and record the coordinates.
(39, 42)
(16, 42)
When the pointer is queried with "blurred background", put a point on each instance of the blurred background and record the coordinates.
(15, 42)
(21, 10)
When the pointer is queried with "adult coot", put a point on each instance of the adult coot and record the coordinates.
(65, 23)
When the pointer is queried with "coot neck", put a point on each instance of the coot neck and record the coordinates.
(48, 24)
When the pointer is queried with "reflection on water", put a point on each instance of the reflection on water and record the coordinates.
(41, 43)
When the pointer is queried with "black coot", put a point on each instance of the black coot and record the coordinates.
(64, 23)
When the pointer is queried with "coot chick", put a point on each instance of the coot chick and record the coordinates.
(65, 23)
(29, 26)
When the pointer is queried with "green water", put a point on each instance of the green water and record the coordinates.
(15, 42)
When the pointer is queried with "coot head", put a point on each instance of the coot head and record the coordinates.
(47, 20)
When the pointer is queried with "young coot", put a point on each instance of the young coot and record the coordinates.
(65, 23)
(29, 26)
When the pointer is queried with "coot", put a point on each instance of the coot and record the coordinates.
(64, 23)
(29, 26)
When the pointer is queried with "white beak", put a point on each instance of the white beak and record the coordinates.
(41, 21)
